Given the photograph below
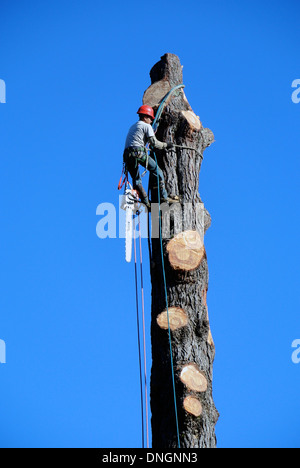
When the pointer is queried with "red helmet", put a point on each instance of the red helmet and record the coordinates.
(146, 110)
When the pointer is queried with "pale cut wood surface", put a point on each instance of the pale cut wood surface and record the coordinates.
(177, 318)
(193, 378)
(186, 251)
(192, 405)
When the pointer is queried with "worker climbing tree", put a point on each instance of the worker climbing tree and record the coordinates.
(135, 154)
(183, 411)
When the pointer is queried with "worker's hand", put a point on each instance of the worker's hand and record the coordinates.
(170, 145)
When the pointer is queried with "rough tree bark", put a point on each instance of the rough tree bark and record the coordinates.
(186, 276)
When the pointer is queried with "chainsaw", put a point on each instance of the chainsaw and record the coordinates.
(130, 203)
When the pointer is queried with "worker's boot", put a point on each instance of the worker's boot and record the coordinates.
(164, 198)
(143, 196)
(170, 200)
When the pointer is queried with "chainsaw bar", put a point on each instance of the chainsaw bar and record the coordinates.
(129, 204)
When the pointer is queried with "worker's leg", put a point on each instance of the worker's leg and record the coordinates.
(135, 174)
(132, 164)
(133, 169)
(156, 171)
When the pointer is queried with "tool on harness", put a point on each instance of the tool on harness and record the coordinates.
(125, 173)
(138, 152)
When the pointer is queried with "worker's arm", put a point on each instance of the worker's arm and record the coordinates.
(159, 144)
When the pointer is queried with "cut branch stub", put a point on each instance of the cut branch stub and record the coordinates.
(193, 378)
(186, 251)
(177, 319)
(193, 119)
(156, 92)
(192, 405)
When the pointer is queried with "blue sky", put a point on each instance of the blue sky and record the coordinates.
(75, 73)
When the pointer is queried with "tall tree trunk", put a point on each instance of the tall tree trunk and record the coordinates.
(186, 273)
